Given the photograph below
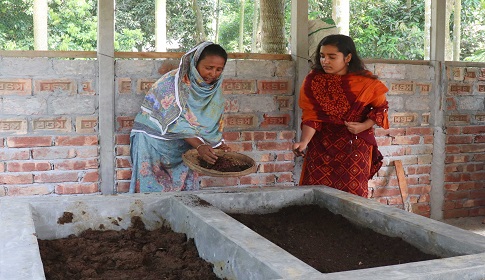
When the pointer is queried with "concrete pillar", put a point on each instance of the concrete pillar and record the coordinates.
(437, 56)
(299, 53)
(106, 90)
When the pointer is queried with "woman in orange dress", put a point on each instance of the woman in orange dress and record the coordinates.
(341, 101)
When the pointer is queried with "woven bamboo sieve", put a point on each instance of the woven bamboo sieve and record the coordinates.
(191, 158)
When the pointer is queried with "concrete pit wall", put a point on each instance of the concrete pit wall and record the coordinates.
(236, 251)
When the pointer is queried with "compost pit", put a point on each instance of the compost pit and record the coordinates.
(329, 242)
(134, 253)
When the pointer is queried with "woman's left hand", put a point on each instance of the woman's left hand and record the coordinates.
(358, 127)
(224, 147)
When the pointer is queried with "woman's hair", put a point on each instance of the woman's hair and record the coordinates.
(213, 49)
(345, 45)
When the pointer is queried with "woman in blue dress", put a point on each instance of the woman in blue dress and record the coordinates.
(181, 111)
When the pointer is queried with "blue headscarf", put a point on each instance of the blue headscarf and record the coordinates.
(182, 105)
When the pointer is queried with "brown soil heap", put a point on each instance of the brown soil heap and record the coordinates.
(225, 164)
(329, 242)
(134, 253)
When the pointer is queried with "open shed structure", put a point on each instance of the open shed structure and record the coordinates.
(64, 131)
(64, 124)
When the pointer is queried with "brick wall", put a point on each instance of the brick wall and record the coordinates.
(48, 126)
(465, 142)
(410, 137)
(49, 135)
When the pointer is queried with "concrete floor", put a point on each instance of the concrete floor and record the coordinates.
(474, 224)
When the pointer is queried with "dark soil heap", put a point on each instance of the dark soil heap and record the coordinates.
(134, 253)
(225, 164)
(329, 242)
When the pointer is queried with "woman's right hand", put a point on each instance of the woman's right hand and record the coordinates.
(207, 153)
(299, 149)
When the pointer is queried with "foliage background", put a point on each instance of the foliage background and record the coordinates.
(390, 29)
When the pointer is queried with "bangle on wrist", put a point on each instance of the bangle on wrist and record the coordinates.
(203, 144)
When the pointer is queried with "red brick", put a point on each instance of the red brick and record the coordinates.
(28, 166)
(125, 123)
(459, 139)
(455, 213)
(2, 167)
(284, 166)
(258, 179)
(26, 142)
(87, 152)
(76, 164)
(471, 203)
(270, 135)
(122, 150)
(476, 157)
(123, 163)
(456, 130)
(231, 136)
(287, 135)
(387, 192)
(76, 188)
(15, 179)
(90, 176)
(274, 86)
(235, 146)
(28, 190)
(218, 181)
(383, 141)
(258, 136)
(424, 198)
(456, 159)
(284, 177)
(14, 154)
(90, 140)
(53, 153)
(123, 174)
(275, 120)
(419, 131)
(479, 139)
(456, 195)
(428, 139)
(270, 145)
(285, 156)
(473, 148)
(392, 132)
(122, 187)
(56, 177)
(123, 139)
(406, 140)
(474, 129)
(268, 167)
(479, 193)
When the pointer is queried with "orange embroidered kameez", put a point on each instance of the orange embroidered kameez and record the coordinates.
(336, 157)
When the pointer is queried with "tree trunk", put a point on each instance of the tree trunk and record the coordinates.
(254, 43)
(341, 16)
(200, 36)
(161, 25)
(241, 28)
(457, 31)
(272, 16)
(40, 25)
